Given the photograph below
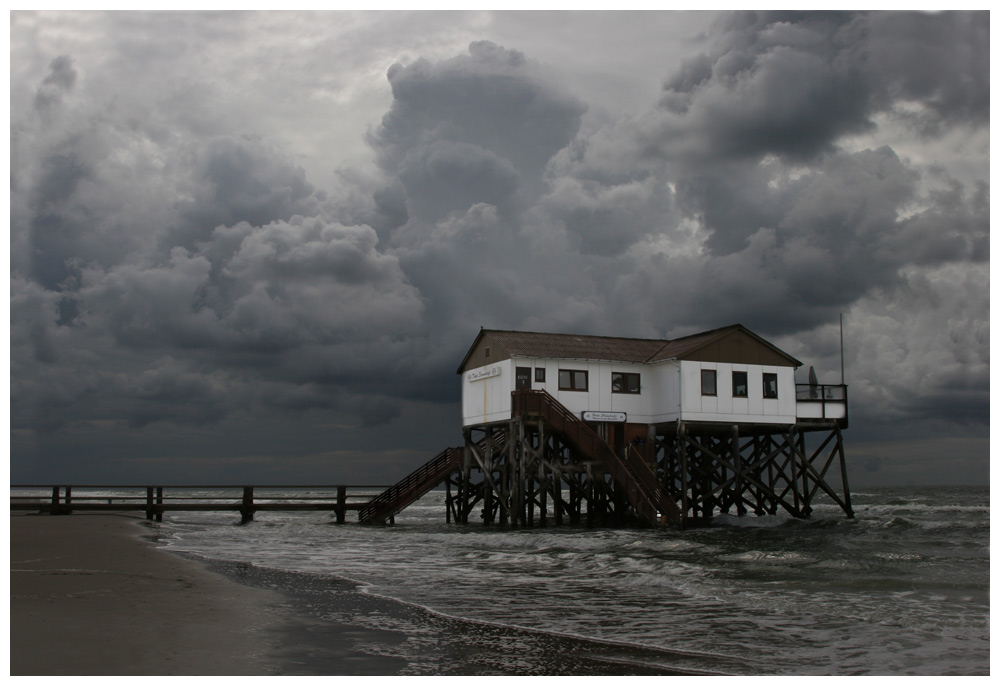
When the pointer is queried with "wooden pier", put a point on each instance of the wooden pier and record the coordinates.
(154, 501)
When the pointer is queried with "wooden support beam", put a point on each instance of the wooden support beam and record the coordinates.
(247, 510)
(341, 504)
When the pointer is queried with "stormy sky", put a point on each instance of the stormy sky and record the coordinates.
(254, 247)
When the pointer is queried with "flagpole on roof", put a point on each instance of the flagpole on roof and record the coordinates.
(841, 348)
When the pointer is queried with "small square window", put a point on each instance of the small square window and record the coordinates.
(487, 352)
(572, 380)
(708, 385)
(770, 385)
(624, 382)
(540, 374)
(739, 384)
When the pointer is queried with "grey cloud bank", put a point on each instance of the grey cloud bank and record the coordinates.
(254, 247)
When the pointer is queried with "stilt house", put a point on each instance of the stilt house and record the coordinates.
(627, 430)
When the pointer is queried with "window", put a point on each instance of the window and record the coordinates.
(487, 352)
(770, 385)
(540, 374)
(624, 382)
(708, 382)
(572, 380)
(739, 384)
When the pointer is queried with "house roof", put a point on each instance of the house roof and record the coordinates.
(572, 346)
(610, 348)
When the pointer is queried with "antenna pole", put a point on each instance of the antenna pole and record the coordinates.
(841, 348)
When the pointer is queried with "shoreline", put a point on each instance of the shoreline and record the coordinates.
(428, 643)
(94, 594)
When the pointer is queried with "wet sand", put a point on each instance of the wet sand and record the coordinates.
(89, 596)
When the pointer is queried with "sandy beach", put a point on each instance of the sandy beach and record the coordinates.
(89, 596)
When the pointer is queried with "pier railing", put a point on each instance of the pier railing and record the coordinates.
(154, 501)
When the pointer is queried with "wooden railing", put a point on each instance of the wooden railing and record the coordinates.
(396, 497)
(642, 489)
(154, 501)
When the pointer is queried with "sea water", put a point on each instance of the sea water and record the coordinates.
(902, 588)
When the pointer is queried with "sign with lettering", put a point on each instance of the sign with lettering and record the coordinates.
(483, 373)
(594, 416)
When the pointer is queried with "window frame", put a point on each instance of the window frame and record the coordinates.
(715, 382)
(765, 377)
(540, 374)
(746, 385)
(625, 386)
(573, 378)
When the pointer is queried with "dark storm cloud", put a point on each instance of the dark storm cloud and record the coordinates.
(240, 180)
(60, 80)
(444, 177)
(160, 279)
(936, 60)
(791, 84)
(173, 264)
(476, 128)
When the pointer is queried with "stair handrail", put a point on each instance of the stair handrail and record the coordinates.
(395, 492)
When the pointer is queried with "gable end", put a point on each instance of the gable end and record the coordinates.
(740, 346)
(476, 357)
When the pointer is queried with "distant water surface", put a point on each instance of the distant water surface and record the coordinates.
(901, 589)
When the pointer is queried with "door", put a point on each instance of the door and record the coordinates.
(522, 378)
(616, 437)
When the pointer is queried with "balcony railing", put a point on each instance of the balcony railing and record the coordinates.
(821, 401)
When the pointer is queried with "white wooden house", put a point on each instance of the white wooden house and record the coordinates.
(684, 428)
(726, 376)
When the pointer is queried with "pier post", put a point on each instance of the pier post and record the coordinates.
(54, 509)
(682, 459)
(246, 511)
(843, 476)
(741, 508)
(149, 503)
(341, 504)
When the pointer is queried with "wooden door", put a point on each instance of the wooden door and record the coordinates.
(522, 377)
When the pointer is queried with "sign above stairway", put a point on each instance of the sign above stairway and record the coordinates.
(595, 416)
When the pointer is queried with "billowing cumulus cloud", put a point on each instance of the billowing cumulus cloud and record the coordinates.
(248, 262)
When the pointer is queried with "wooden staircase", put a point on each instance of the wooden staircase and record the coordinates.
(384, 506)
(631, 473)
